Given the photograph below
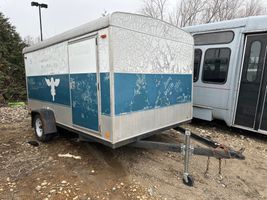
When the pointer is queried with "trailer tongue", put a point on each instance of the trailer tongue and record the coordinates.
(214, 149)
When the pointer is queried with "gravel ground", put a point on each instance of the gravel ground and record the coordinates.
(28, 172)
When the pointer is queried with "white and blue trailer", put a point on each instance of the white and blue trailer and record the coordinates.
(115, 79)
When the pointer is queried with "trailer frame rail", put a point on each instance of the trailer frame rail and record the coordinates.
(214, 149)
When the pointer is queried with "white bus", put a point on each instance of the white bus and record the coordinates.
(230, 77)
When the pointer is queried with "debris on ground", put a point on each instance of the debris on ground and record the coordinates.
(68, 155)
(12, 115)
(33, 143)
(125, 173)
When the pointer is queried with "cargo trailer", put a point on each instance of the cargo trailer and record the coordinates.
(116, 79)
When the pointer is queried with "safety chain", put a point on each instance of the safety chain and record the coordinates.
(218, 156)
(220, 166)
(207, 168)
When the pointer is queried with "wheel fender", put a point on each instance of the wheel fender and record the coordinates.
(48, 119)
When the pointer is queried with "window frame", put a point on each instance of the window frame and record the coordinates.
(203, 71)
(217, 43)
(199, 66)
(247, 70)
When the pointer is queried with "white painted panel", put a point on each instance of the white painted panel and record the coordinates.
(149, 26)
(135, 52)
(202, 113)
(82, 56)
(138, 123)
(250, 24)
(211, 97)
(63, 114)
(106, 127)
(103, 50)
(48, 61)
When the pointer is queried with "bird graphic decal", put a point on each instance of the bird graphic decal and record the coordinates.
(53, 83)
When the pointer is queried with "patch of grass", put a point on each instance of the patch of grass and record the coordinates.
(16, 104)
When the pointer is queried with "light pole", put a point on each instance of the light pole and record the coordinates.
(40, 5)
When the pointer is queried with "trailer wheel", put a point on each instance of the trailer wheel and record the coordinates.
(39, 131)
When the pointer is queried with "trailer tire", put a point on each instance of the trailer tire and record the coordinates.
(39, 130)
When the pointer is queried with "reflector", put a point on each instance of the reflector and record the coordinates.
(103, 36)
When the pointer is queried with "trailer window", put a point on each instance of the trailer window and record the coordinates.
(253, 63)
(197, 62)
(224, 37)
(216, 64)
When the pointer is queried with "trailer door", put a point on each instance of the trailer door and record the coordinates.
(84, 78)
(252, 91)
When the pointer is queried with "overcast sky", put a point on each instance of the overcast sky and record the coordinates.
(61, 15)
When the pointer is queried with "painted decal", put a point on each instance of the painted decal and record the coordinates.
(50, 88)
(139, 92)
(52, 83)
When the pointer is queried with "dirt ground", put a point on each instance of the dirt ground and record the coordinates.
(28, 172)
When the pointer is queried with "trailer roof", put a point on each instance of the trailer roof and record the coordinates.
(117, 19)
(254, 23)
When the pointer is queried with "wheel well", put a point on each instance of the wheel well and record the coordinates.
(48, 120)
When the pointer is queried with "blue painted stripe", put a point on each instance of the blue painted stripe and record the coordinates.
(38, 89)
(137, 92)
(83, 95)
(133, 92)
(105, 93)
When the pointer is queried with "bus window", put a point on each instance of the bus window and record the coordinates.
(253, 63)
(215, 67)
(224, 37)
(197, 62)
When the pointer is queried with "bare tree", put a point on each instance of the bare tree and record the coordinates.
(211, 10)
(228, 10)
(29, 40)
(187, 12)
(252, 8)
(219, 10)
(155, 8)
(191, 12)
